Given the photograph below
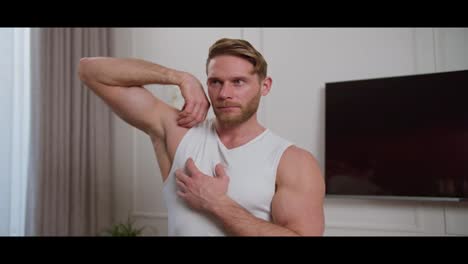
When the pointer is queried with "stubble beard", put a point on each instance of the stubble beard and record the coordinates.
(230, 119)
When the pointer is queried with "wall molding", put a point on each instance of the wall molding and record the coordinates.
(149, 215)
(424, 50)
(416, 226)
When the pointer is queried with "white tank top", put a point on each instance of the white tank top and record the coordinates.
(251, 169)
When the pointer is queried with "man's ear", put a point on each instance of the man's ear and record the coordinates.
(266, 85)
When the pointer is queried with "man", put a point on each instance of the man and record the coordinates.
(225, 176)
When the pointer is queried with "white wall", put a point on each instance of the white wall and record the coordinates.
(300, 62)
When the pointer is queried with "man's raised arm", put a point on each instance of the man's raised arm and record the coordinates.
(119, 82)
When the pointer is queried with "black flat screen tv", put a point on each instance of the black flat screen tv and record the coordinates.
(403, 137)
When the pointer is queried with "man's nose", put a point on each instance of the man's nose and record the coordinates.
(226, 91)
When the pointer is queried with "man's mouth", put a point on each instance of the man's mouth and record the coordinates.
(227, 107)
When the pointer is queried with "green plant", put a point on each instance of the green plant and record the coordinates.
(124, 229)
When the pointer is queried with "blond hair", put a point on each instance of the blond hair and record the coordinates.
(239, 48)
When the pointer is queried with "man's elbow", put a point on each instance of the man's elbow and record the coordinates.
(318, 231)
(83, 69)
(88, 67)
(317, 228)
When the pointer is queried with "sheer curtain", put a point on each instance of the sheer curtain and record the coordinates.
(13, 123)
(69, 185)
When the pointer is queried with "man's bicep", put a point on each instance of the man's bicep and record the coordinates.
(299, 210)
(298, 201)
(135, 105)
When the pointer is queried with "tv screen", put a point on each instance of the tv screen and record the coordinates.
(398, 137)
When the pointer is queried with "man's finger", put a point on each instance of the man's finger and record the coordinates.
(197, 111)
(190, 120)
(199, 118)
(220, 170)
(184, 121)
(201, 114)
(191, 124)
(183, 115)
(181, 176)
(188, 108)
(191, 167)
(181, 194)
(181, 185)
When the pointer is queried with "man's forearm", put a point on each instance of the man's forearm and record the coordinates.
(237, 221)
(127, 72)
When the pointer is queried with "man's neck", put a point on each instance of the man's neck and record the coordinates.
(237, 135)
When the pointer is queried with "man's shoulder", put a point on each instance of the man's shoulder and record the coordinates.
(297, 165)
(294, 154)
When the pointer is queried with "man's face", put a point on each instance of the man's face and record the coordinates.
(233, 89)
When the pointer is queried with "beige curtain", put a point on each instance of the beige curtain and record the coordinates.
(70, 175)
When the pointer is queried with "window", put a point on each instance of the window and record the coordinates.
(14, 134)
